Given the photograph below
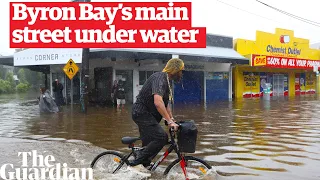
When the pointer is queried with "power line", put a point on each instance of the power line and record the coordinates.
(287, 12)
(257, 15)
(247, 11)
(291, 15)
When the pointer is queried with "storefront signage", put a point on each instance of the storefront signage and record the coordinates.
(260, 61)
(284, 39)
(283, 51)
(47, 56)
(251, 84)
(283, 62)
(282, 43)
(217, 75)
(310, 83)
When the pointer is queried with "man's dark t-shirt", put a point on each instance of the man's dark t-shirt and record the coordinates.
(156, 84)
(120, 93)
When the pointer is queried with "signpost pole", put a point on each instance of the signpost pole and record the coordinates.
(71, 70)
(71, 92)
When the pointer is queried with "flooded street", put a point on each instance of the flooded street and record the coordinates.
(251, 139)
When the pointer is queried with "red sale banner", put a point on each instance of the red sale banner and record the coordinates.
(104, 25)
(283, 62)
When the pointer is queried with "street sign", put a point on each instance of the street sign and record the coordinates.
(71, 69)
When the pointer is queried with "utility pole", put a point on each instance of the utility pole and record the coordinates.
(84, 80)
(84, 87)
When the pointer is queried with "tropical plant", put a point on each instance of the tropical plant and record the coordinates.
(23, 87)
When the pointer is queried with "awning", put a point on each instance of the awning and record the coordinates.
(6, 60)
(212, 54)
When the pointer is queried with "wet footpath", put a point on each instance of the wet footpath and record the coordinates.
(250, 139)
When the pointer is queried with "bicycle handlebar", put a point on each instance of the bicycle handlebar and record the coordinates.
(166, 123)
(172, 133)
(172, 129)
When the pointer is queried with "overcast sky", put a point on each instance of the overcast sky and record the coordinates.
(238, 19)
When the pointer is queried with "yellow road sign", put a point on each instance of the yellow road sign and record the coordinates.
(71, 69)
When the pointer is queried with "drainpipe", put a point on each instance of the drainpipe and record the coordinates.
(230, 81)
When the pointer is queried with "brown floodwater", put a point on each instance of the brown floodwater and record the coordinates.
(250, 139)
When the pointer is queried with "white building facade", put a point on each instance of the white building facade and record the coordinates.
(207, 76)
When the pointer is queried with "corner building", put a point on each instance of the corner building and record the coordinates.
(207, 77)
(281, 59)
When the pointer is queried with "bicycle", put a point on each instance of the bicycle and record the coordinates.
(121, 160)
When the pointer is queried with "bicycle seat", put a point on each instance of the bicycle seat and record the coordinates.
(129, 140)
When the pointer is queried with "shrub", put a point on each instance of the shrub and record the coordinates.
(22, 76)
(5, 87)
(23, 87)
(11, 81)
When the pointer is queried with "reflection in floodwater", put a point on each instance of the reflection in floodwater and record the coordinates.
(251, 139)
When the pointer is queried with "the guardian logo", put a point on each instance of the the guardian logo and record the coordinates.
(43, 168)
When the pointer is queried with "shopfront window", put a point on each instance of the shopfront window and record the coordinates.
(144, 75)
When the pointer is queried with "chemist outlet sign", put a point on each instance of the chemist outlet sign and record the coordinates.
(283, 62)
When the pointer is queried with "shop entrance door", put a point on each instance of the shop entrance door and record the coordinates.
(278, 85)
(103, 84)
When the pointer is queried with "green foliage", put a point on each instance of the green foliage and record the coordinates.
(11, 80)
(26, 77)
(5, 87)
(22, 76)
(34, 78)
(23, 87)
(3, 72)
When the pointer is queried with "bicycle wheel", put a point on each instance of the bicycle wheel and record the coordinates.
(196, 169)
(107, 162)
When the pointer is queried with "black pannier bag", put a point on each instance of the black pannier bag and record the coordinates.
(187, 136)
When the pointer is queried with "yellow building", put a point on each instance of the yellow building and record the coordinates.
(284, 61)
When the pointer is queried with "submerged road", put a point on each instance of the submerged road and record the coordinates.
(245, 140)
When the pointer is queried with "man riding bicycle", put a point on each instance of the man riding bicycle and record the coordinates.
(151, 106)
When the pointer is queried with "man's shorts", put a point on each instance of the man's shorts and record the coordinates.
(121, 101)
